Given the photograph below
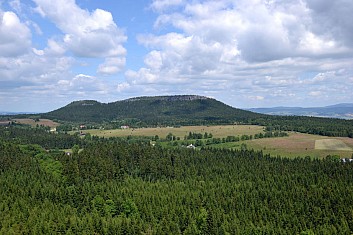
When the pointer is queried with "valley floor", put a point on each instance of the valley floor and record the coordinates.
(295, 145)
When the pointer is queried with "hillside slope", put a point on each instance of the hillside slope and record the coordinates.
(160, 110)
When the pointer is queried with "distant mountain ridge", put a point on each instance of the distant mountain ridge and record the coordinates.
(14, 113)
(342, 105)
(156, 110)
(342, 111)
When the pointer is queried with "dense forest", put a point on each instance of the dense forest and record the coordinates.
(117, 186)
(40, 135)
(311, 125)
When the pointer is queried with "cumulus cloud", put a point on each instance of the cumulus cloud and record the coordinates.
(123, 87)
(82, 85)
(243, 52)
(256, 97)
(162, 5)
(36, 67)
(333, 19)
(112, 66)
(55, 48)
(15, 36)
(315, 93)
(274, 49)
(27, 81)
(39, 72)
(87, 34)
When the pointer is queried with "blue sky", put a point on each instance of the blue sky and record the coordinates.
(246, 53)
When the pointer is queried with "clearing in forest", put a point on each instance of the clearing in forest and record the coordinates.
(216, 131)
(301, 145)
(331, 144)
(33, 122)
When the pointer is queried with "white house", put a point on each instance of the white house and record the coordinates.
(191, 146)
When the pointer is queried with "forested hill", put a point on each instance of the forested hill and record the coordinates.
(189, 110)
(167, 110)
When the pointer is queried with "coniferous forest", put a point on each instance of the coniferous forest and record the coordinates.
(120, 186)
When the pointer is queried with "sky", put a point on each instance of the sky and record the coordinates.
(245, 53)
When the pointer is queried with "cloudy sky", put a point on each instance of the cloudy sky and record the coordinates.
(246, 53)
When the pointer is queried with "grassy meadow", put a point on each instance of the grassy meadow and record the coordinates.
(33, 122)
(162, 132)
(299, 144)
(295, 145)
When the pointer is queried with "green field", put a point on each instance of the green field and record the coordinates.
(295, 145)
(162, 132)
(299, 144)
(332, 144)
(33, 122)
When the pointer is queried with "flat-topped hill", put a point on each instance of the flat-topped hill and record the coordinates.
(168, 110)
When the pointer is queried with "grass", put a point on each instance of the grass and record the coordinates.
(299, 145)
(295, 145)
(33, 123)
(217, 131)
(332, 144)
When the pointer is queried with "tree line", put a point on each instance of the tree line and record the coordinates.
(200, 140)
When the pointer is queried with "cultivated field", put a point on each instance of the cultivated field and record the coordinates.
(298, 144)
(32, 122)
(295, 145)
(331, 144)
(217, 131)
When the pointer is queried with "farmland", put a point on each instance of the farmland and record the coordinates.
(217, 131)
(33, 122)
(332, 144)
(295, 145)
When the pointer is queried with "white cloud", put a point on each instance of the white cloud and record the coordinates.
(112, 66)
(87, 34)
(244, 52)
(315, 93)
(55, 48)
(81, 86)
(162, 5)
(122, 87)
(154, 60)
(29, 81)
(15, 37)
(332, 20)
(143, 76)
(38, 52)
(256, 97)
(251, 49)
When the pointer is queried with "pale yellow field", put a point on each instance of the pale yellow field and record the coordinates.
(331, 144)
(299, 144)
(32, 122)
(296, 145)
(217, 131)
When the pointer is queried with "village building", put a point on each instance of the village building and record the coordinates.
(191, 146)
